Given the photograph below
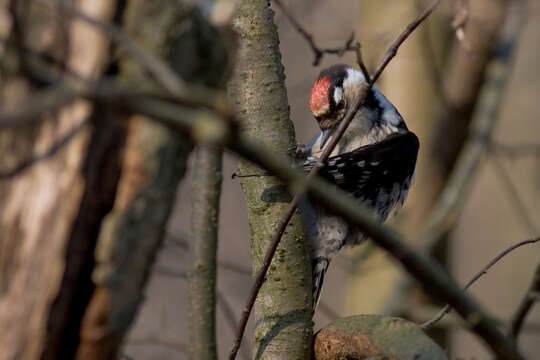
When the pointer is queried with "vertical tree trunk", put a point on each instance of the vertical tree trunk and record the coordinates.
(204, 227)
(409, 85)
(441, 122)
(283, 307)
(40, 202)
(463, 78)
(154, 162)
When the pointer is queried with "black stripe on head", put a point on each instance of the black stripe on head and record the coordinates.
(337, 74)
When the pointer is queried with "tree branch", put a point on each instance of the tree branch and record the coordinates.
(317, 51)
(447, 308)
(202, 278)
(283, 324)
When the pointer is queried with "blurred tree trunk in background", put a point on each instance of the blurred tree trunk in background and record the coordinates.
(283, 307)
(61, 174)
(413, 88)
(436, 97)
(40, 201)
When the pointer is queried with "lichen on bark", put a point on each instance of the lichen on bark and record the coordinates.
(283, 307)
(375, 337)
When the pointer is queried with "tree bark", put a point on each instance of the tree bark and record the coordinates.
(375, 337)
(204, 226)
(40, 202)
(283, 307)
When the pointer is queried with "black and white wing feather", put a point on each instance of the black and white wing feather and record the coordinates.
(378, 174)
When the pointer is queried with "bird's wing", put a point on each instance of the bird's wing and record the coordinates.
(369, 169)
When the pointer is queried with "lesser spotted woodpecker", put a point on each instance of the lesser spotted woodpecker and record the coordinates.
(374, 161)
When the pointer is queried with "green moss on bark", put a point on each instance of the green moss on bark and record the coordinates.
(283, 308)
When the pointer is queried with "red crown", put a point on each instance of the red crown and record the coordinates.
(319, 94)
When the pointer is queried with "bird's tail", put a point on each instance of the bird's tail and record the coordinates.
(320, 265)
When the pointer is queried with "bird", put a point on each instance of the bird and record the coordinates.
(374, 162)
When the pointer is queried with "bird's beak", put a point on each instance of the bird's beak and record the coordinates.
(326, 133)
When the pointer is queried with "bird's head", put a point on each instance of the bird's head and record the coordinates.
(334, 92)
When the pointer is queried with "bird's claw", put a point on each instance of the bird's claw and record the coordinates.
(298, 152)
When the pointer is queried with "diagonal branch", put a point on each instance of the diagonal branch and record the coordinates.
(446, 309)
(317, 51)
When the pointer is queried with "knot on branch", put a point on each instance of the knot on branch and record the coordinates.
(375, 336)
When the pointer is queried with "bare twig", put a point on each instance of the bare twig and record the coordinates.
(154, 340)
(159, 69)
(167, 271)
(447, 308)
(423, 313)
(513, 194)
(317, 51)
(526, 305)
(393, 49)
(260, 277)
(58, 145)
(361, 63)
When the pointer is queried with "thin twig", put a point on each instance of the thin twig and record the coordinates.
(317, 51)
(513, 193)
(154, 340)
(165, 76)
(526, 305)
(261, 274)
(393, 49)
(51, 151)
(446, 309)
